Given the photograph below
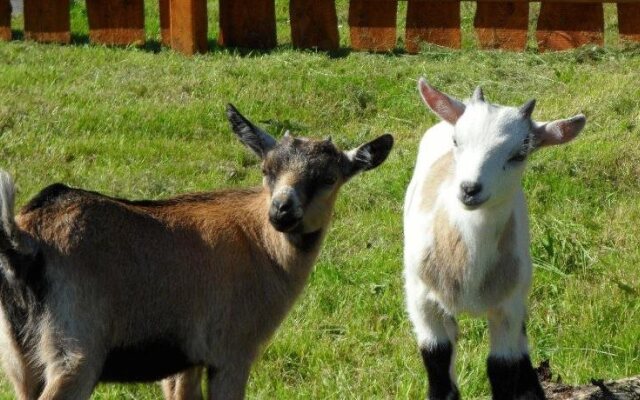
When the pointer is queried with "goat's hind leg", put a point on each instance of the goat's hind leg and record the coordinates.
(436, 332)
(184, 386)
(509, 367)
(26, 379)
(70, 382)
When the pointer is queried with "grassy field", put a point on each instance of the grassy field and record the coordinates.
(149, 123)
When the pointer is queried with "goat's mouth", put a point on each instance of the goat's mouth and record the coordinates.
(285, 224)
(472, 202)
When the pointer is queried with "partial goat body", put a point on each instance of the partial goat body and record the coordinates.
(467, 237)
(96, 288)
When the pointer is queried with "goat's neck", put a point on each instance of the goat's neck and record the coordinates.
(295, 253)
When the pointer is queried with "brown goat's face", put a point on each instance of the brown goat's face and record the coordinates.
(303, 176)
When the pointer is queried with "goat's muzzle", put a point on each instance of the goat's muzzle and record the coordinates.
(285, 214)
(471, 195)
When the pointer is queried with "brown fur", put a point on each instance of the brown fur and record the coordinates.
(124, 290)
(169, 266)
(444, 265)
(438, 174)
(502, 276)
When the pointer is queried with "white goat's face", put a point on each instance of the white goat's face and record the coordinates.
(491, 143)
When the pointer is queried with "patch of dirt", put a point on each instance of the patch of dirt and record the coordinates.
(598, 389)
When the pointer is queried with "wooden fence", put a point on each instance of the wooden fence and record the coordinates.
(499, 24)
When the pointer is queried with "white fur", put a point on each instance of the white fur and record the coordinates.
(480, 228)
(487, 138)
(7, 195)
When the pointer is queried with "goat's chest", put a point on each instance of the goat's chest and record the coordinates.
(468, 272)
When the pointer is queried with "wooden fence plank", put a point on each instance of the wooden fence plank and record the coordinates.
(188, 26)
(373, 24)
(116, 22)
(248, 23)
(525, 1)
(436, 22)
(629, 21)
(5, 20)
(165, 22)
(314, 24)
(564, 26)
(502, 25)
(47, 20)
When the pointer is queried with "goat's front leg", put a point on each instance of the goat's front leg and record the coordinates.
(228, 382)
(436, 332)
(183, 386)
(509, 367)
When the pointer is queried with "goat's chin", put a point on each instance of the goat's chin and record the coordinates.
(287, 227)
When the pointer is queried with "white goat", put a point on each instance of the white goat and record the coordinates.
(467, 236)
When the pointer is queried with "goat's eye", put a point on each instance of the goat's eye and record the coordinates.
(329, 180)
(518, 158)
(269, 175)
(455, 142)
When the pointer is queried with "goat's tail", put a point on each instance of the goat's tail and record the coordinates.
(7, 201)
(15, 252)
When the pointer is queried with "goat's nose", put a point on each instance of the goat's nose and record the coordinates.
(283, 206)
(471, 188)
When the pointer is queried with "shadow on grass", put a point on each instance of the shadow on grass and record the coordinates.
(213, 47)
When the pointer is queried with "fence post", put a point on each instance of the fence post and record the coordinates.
(564, 26)
(436, 22)
(165, 23)
(629, 21)
(314, 24)
(5, 20)
(47, 20)
(373, 24)
(248, 23)
(116, 22)
(187, 25)
(502, 25)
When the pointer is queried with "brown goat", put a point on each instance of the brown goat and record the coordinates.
(95, 288)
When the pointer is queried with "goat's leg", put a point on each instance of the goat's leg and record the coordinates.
(69, 382)
(184, 386)
(228, 383)
(437, 333)
(509, 367)
(26, 380)
(26, 383)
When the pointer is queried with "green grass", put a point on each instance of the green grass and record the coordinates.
(140, 124)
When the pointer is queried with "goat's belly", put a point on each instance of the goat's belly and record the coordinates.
(459, 301)
(145, 362)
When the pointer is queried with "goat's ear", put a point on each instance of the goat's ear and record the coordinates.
(559, 131)
(369, 155)
(446, 107)
(253, 137)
